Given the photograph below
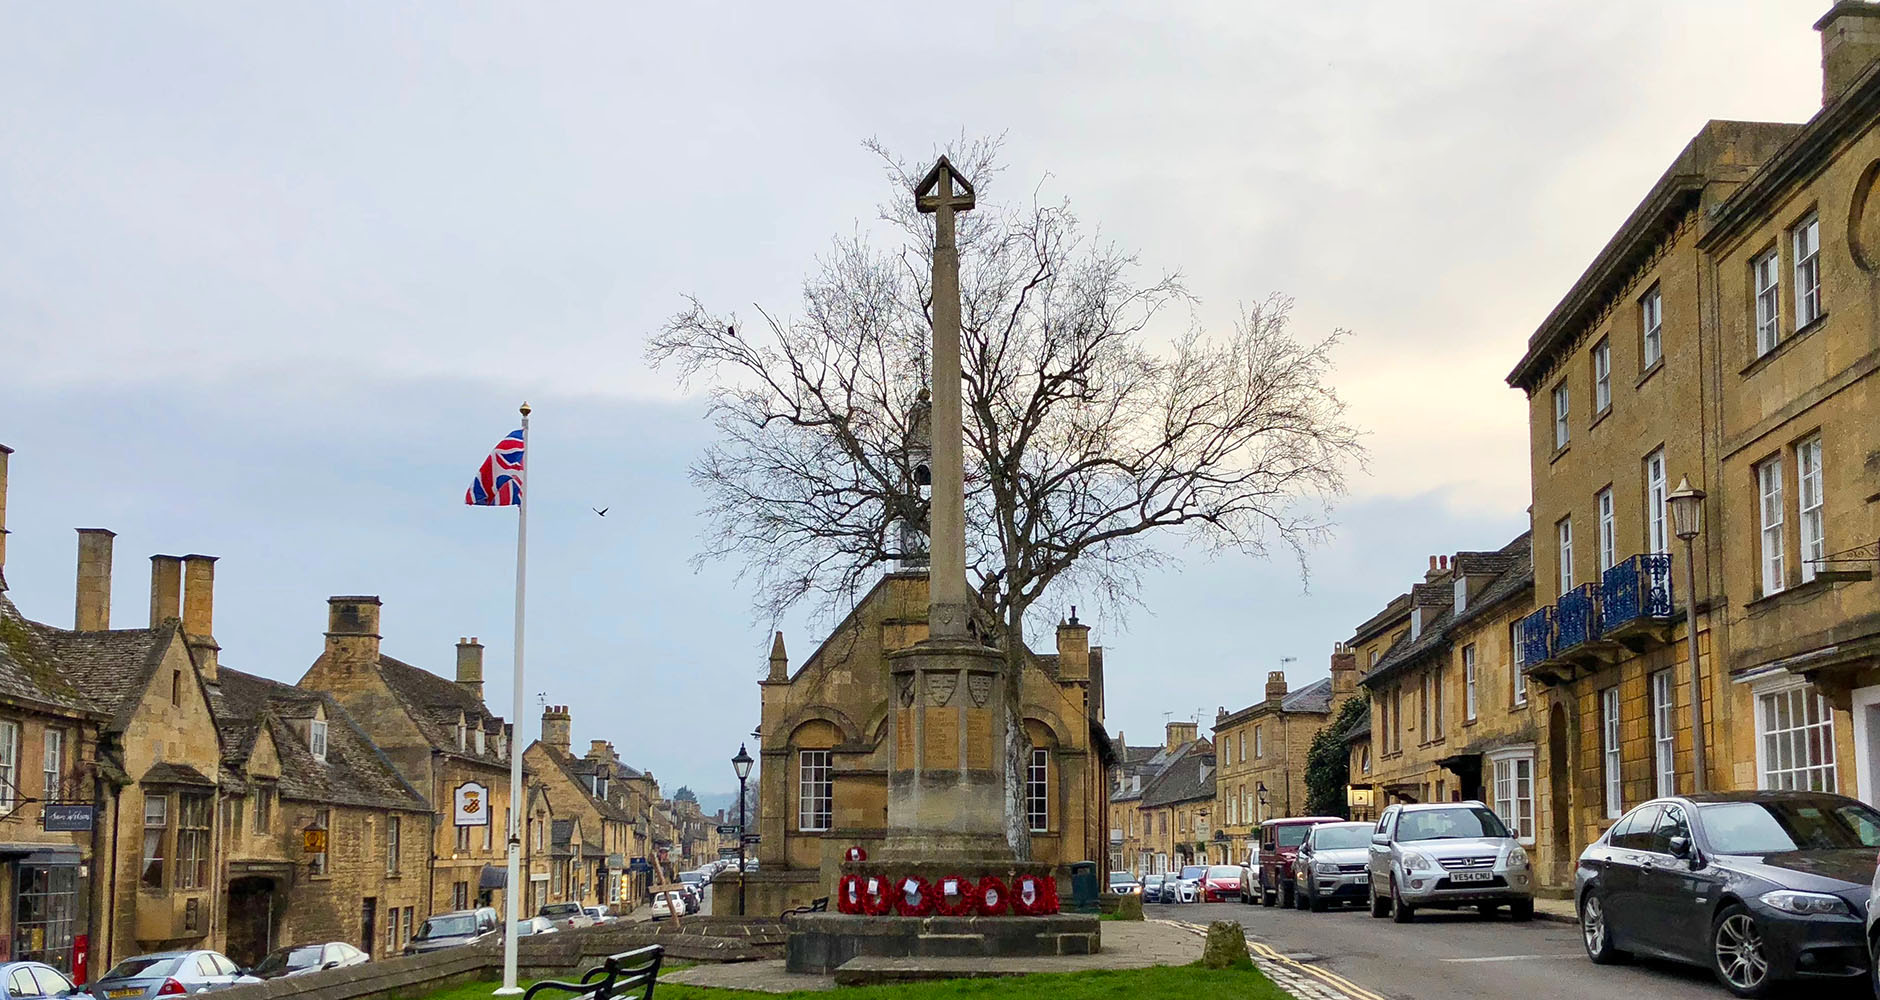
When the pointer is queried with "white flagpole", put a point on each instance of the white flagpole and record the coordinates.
(513, 891)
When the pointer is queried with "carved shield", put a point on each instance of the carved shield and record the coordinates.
(940, 688)
(980, 687)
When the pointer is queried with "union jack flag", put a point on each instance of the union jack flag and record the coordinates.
(499, 482)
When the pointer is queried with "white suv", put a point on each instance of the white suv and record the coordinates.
(1447, 855)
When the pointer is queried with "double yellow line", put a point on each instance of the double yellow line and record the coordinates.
(1262, 950)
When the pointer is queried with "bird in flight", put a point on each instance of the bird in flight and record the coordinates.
(602, 511)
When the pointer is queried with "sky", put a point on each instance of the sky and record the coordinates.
(274, 278)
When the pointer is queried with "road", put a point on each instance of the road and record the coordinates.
(1461, 956)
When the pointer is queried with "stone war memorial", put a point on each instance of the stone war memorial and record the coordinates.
(918, 862)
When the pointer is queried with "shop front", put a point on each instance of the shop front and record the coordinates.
(45, 903)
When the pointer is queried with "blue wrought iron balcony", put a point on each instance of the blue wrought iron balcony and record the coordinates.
(1537, 637)
(1576, 617)
(1636, 592)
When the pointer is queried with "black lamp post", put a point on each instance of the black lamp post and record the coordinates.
(1259, 790)
(1687, 519)
(741, 764)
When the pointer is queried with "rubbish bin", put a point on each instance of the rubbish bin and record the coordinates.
(1084, 886)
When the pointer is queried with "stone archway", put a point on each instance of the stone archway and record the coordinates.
(251, 923)
(1560, 793)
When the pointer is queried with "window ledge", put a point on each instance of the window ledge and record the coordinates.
(1600, 417)
(1782, 346)
(1560, 451)
(1471, 722)
(1795, 592)
(1650, 370)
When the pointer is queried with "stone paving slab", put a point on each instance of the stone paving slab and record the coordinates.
(1127, 944)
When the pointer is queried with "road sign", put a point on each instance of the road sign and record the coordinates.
(750, 838)
(729, 829)
(640, 865)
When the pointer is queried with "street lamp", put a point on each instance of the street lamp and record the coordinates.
(1687, 519)
(1259, 791)
(741, 764)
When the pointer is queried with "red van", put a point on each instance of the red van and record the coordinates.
(1279, 844)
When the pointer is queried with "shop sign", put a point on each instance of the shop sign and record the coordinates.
(68, 818)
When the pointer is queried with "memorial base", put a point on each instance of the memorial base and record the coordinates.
(820, 943)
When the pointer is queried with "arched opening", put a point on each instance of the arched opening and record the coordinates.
(1559, 766)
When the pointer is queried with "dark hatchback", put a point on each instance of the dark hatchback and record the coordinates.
(1764, 887)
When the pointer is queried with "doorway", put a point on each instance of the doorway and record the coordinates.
(250, 919)
(1866, 711)
(368, 923)
(1560, 791)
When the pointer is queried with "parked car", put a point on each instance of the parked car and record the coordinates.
(169, 973)
(1279, 842)
(536, 925)
(565, 915)
(1249, 880)
(300, 959)
(693, 880)
(1332, 865)
(1152, 888)
(1219, 884)
(1188, 883)
(1124, 884)
(599, 914)
(668, 904)
(1447, 855)
(448, 930)
(1763, 887)
(35, 979)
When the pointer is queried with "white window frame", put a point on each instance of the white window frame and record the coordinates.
(394, 832)
(815, 784)
(1517, 679)
(1038, 791)
(1608, 530)
(1563, 404)
(53, 763)
(1563, 533)
(1658, 525)
(9, 765)
(1806, 242)
(1259, 742)
(1783, 740)
(1610, 753)
(1770, 540)
(1511, 789)
(1766, 277)
(1602, 376)
(316, 740)
(1812, 516)
(1664, 731)
(1468, 682)
(1651, 310)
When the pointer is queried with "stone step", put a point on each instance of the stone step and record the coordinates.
(867, 970)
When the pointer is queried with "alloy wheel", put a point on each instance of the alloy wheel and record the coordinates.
(1741, 960)
(1593, 925)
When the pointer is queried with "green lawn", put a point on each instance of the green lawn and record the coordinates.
(1189, 982)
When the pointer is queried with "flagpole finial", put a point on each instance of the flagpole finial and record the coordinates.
(525, 407)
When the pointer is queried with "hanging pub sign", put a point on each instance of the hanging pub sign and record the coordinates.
(313, 840)
(471, 805)
(67, 818)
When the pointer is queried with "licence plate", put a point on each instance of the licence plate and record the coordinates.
(135, 991)
(1472, 877)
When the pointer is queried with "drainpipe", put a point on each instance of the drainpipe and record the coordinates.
(100, 899)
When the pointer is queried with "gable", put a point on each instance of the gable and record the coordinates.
(264, 761)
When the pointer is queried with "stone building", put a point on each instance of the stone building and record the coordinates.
(1134, 765)
(1177, 804)
(1361, 800)
(1262, 751)
(438, 734)
(593, 790)
(823, 783)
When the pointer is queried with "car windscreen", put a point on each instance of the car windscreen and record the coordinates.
(1192, 871)
(1223, 871)
(1449, 824)
(286, 959)
(561, 909)
(437, 927)
(1777, 825)
(144, 965)
(1292, 836)
(1118, 878)
(1342, 838)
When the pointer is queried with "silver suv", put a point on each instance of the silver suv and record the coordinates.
(1447, 855)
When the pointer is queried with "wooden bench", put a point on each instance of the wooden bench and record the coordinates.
(816, 906)
(630, 973)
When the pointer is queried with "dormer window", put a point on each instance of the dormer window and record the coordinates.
(316, 740)
(480, 738)
(502, 746)
(1462, 592)
(600, 786)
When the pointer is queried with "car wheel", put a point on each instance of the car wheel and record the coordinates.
(1313, 901)
(1522, 910)
(1400, 913)
(1738, 954)
(1594, 932)
(1259, 890)
(1379, 908)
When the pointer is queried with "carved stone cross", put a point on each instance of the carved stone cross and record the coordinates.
(941, 193)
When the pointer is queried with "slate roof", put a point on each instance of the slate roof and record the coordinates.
(29, 667)
(355, 772)
(1315, 698)
(1362, 729)
(435, 704)
(165, 772)
(1516, 576)
(578, 769)
(110, 668)
(1394, 609)
(1188, 777)
(561, 836)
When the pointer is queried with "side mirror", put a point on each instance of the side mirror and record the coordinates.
(1380, 840)
(1681, 847)
(330, 965)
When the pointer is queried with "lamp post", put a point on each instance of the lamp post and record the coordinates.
(741, 764)
(1259, 791)
(1687, 519)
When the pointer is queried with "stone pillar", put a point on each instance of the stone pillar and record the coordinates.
(92, 608)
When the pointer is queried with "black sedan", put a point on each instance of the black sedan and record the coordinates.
(1763, 887)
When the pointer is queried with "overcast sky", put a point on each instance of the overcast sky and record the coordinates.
(274, 277)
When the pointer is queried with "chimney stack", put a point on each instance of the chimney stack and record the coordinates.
(470, 666)
(4, 452)
(166, 589)
(779, 661)
(1344, 674)
(352, 633)
(1275, 685)
(1073, 647)
(198, 595)
(92, 609)
(1850, 42)
(599, 749)
(1178, 733)
(557, 727)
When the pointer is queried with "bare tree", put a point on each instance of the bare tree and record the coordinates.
(1090, 429)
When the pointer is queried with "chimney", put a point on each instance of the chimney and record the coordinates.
(4, 452)
(1344, 674)
(199, 595)
(166, 589)
(1178, 733)
(470, 666)
(1073, 647)
(92, 610)
(779, 661)
(1275, 685)
(599, 749)
(352, 633)
(1850, 42)
(556, 726)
